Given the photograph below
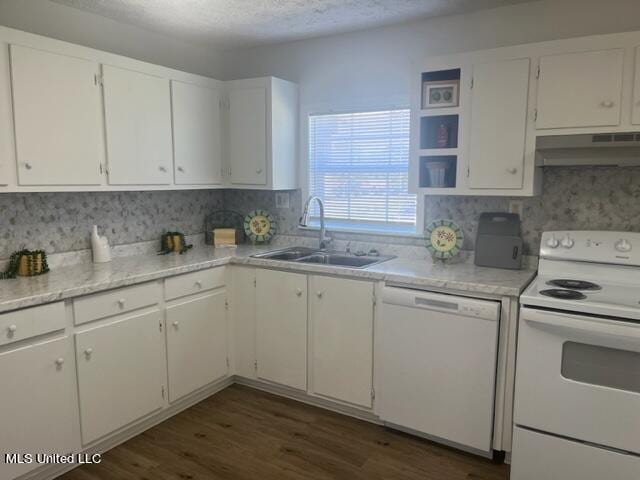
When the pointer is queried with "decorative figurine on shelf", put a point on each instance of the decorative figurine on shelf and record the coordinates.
(442, 136)
(26, 263)
(172, 242)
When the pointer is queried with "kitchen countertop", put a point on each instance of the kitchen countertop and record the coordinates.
(85, 278)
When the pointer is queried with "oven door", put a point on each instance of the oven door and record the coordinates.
(579, 377)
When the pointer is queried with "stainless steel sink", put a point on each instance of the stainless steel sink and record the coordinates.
(321, 257)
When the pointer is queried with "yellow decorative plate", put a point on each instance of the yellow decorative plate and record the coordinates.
(444, 239)
(259, 226)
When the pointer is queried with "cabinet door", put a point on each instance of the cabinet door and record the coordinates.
(248, 136)
(57, 114)
(635, 116)
(120, 370)
(138, 126)
(580, 89)
(196, 134)
(7, 148)
(341, 319)
(281, 327)
(243, 315)
(498, 124)
(196, 343)
(38, 413)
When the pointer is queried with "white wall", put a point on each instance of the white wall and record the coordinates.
(375, 66)
(72, 25)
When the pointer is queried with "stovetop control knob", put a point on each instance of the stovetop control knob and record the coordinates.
(623, 245)
(567, 242)
(553, 242)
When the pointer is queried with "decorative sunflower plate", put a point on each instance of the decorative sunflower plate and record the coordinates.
(444, 239)
(259, 226)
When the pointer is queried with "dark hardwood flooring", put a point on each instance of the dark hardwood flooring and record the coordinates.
(241, 433)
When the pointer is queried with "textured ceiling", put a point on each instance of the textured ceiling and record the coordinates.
(243, 23)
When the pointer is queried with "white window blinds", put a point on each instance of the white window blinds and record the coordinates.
(358, 166)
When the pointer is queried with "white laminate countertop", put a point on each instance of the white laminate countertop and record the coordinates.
(85, 278)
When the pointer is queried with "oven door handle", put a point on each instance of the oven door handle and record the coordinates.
(621, 332)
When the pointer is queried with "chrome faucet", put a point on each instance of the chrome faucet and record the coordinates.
(304, 220)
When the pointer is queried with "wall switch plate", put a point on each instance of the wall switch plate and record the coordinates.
(516, 206)
(282, 199)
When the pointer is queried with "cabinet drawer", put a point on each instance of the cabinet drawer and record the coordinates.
(195, 282)
(102, 305)
(22, 324)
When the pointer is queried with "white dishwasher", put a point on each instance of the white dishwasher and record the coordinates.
(437, 366)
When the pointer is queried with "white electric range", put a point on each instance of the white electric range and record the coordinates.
(577, 399)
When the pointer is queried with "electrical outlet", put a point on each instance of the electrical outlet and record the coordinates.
(516, 206)
(282, 199)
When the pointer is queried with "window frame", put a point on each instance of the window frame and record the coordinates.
(304, 173)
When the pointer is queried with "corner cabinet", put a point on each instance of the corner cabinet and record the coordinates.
(262, 140)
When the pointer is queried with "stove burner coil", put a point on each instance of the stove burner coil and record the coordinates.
(574, 284)
(563, 294)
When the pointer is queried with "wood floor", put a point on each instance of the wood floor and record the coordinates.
(242, 433)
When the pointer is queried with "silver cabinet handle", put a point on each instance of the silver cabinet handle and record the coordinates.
(12, 329)
(258, 171)
(180, 169)
(60, 361)
(121, 303)
(512, 171)
(299, 292)
(319, 294)
(88, 352)
(176, 324)
(607, 104)
(28, 166)
(199, 284)
(162, 168)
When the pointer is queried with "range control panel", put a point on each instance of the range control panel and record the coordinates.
(622, 248)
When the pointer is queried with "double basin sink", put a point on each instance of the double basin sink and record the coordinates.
(323, 257)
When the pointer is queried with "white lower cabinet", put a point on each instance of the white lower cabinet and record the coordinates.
(196, 343)
(38, 413)
(120, 373)
(281, 328)
(341, 339)
(243, 318)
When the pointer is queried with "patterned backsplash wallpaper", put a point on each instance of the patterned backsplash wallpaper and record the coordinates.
(573, 198)
(595, 198)
(61, 222)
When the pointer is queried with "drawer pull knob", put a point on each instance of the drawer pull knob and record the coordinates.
(60, 362)
(199, 284)
(299, 292)
(258, 171)
(88, 352)
(176, 324)
(162, 168)
(319, 294)
(121, 303)
(12, 329)
(180, 169)
(512, 171)
(28, 166)
(607, 104)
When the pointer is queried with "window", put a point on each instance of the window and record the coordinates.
(358, 166)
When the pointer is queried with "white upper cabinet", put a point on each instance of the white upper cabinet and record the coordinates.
(263, 121)
(248, 135)
(580, 89)
(498, 124)
(58, 123)
(196, 134)
(635, 115)
(7, 149)
(138, 127)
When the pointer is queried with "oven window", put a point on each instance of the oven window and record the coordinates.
(603, 366)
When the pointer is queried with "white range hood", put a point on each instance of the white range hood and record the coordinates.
(603, 149)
